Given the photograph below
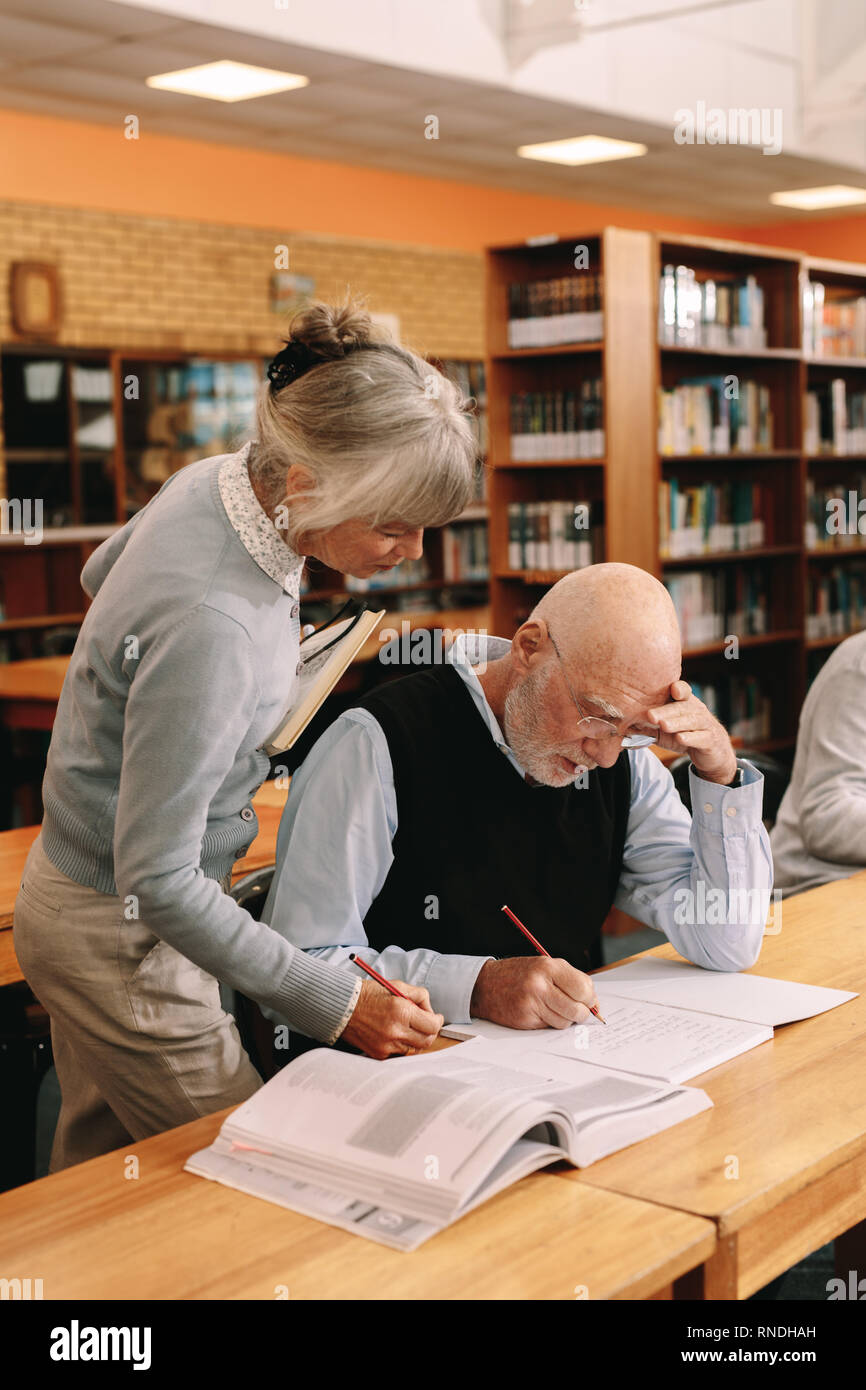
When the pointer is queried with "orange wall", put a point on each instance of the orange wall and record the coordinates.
(72, 164)
(838, 238)
(77, 165)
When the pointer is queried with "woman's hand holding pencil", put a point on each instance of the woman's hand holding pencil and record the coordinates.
(391, 1017)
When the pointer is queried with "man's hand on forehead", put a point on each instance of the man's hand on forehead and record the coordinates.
(685, 725)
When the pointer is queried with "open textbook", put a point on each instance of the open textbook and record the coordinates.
(325, 654)
(395, 1151)
(665, 1020)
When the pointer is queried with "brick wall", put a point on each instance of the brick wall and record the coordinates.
(150, 282)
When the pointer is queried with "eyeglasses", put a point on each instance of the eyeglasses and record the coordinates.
(600, 728)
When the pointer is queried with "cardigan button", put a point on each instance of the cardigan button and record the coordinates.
(296, 608)
(247, 813)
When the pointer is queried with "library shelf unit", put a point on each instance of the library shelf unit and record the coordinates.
(772, 661)
(617, 482)
(825, 564)
(642, 358)
(95, 432)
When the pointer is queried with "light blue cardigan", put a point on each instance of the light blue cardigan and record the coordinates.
(184, 664)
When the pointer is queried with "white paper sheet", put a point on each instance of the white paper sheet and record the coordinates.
(752, 998)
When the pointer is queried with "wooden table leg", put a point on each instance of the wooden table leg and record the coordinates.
(850, 1254)
(716, 1279)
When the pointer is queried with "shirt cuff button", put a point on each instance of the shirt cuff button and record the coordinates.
(708, 806)
(731, 811)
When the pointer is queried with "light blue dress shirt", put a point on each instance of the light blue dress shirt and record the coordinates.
(334, 851)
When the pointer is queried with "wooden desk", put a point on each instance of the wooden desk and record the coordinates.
(15, 846)
(29, 691)
(791, 1113)
(91, 1233)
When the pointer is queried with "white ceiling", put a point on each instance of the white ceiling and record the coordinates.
(89, 61)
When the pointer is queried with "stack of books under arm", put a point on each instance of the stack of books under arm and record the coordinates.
(834, 419)
(714, 604)
(836, 601)
(740, 704)
(710, 518)
(836, 514)
(559, 535)
(543, 313)
(833, 327)
(465, 554)
(557, 424)
(710, 313)
(715, 415)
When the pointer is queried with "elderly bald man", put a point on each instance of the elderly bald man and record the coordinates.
(526, 779)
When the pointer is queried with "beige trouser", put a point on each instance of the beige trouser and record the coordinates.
(140, 1040)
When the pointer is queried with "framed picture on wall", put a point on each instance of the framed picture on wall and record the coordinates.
(34, 297)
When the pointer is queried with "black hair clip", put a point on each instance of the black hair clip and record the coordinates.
(290, 363)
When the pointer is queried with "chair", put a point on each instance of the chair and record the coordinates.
(256, 1032)
(776, 778)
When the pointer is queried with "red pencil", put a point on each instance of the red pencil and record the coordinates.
(539, 948)
(374, 974)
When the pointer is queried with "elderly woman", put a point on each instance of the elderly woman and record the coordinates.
(184, 663)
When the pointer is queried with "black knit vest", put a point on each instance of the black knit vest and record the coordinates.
(472, 835)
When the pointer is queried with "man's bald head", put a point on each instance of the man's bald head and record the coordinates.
(614, 623)
(605, 638)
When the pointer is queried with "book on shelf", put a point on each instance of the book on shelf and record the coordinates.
(710, 312)
(714, 604)
(472, 381)
(834, 419)
(396, 1152)
(558, 535)
(835, 514)
(709, 518)
(703, 416)
(325, 655)
(407, 572)
(91, 383)
(479, 485)
(544, 313)
(558, 424)
(835, 601)
(465, 554)
(833, 326)
(741, 704)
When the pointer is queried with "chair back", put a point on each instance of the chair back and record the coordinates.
(256, 1031)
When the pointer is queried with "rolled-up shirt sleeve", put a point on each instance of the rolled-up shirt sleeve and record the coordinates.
(187, 712)
(334, 852)
(704, 880)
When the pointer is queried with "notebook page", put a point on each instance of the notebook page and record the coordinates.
(645, 1040)
(752, 998)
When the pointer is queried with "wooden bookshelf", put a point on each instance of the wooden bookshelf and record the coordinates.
(776, 658)
(824, 468)
(618, 484)
(153, 423)
(634, 364)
